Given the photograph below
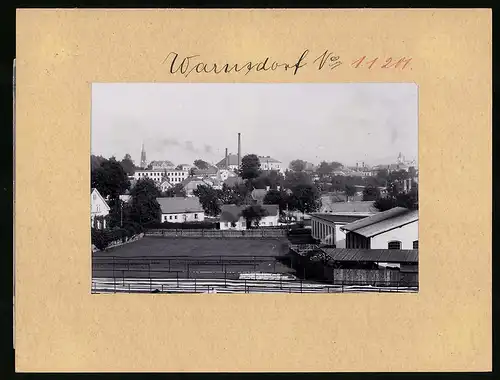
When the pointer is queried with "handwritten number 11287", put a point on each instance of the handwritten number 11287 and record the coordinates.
(388, 63)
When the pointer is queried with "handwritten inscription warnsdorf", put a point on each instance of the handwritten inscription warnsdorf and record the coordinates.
(193, 64)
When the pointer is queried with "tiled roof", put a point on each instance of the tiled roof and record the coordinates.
(232, 213)
(232, 159)
(179, 205)
(382, 222)
(373, 255)
(209, 171)
(341, 217)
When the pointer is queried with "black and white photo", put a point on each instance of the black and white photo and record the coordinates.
(254, 188)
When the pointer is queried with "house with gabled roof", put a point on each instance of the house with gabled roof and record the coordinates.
(231, 217)
(396, 228)
(181, 210)
(99, 210)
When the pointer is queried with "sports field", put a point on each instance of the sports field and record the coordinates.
(157, 257)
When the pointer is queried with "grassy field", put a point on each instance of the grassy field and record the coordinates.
(187, 258)
(164, 247)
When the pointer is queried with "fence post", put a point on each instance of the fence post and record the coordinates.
(245, 285)
(342, 286)
(281, 282)
(195, 284)
(129, 288)
(113, 267)
(225, 276)
(301, 285)
(123, 273)
(162, 288)
(177, 273)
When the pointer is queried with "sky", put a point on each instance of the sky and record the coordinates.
(181, 122)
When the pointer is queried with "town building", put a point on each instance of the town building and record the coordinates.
(224, 174)
(161, 165)
(230, 162)
(231, 217)
(191, 184)
(268, 163)
(211, 172)
(99, 210)
(326, 225)
(181, 210)
(174, 176)
(165, 184)
(396, 228)
(185, 167)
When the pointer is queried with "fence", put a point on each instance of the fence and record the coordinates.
(229, 274)
(203, 233)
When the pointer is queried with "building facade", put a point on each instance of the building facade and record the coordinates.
(269, 163)
(396, 228)
(181, 210)
(99, 210)
(231, 217)
(174, 176)
(326, 227)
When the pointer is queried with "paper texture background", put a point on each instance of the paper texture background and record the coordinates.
(60, 326)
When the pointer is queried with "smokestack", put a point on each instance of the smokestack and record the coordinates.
(227, 163)
(239, 149)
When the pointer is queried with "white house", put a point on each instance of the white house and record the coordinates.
(231, 217)
(174, 176)
(269, 163)
(165, 185)
(98, 208)
(396, 228)
(181, 210)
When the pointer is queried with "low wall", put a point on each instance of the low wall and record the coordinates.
(257, 233)
(364, 276)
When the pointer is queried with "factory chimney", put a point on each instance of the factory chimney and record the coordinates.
(239, 150)
(227, 163)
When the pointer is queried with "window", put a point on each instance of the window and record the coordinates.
(170, 217)
(94, 197)
(175, 217)
(196, 216)
(98, 208)
(394, 245)
(415, 244)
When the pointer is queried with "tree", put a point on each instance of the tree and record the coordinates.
(297, 165)
(371, 193)
(296, 178)
(144, 207)
(176, 191)
(335, 165)
(323, 169)
(110, 179)
(200, 164)
(277, 197)
(128, 165)
(253, 214)
(96, 161)
(250, 167)
(304, 198)
(349, 191)
(271, 178)
(209, 199)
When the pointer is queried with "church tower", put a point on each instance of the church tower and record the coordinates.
(144, 163)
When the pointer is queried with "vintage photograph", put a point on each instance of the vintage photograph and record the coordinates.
(254, 188)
